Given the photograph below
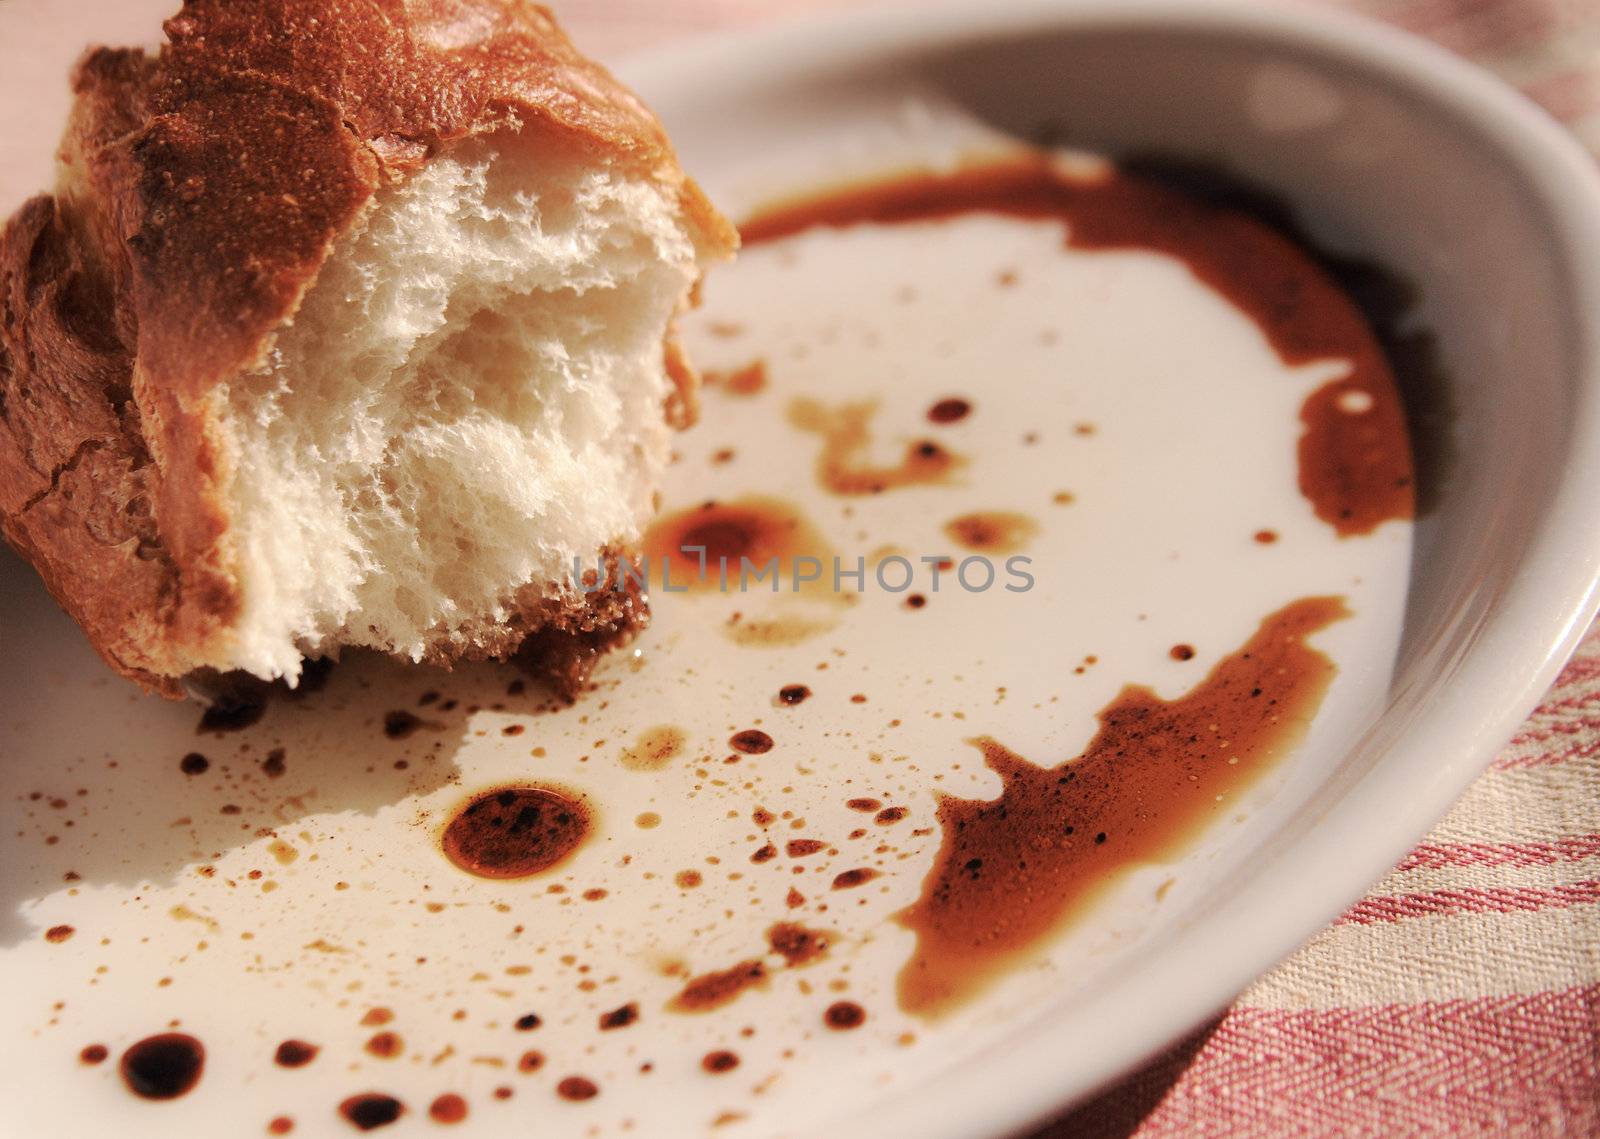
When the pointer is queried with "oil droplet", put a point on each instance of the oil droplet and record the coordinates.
(842, 465)
(654, 749)
(746, 381)
(515, 832)
(992, 531)
(164, 1066)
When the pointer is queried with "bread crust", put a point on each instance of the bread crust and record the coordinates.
(200, 193)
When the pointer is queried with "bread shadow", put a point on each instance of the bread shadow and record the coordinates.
(109, 789)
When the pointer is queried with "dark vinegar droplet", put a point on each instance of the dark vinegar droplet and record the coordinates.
(295, 1054)
(949, 410)
(619, 1017)
(164, 1066)
(577, 1088)
(515, 832)
(751, 741)
(448, 1108)
(399, 724)
(371, 1110)
(792, 694)
(719, 1062)
(528, 1022)
(194, 764)
(842, 1015)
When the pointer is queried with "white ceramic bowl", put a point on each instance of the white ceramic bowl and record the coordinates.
(1389, 148)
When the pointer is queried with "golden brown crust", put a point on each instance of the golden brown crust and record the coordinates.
(200, 194)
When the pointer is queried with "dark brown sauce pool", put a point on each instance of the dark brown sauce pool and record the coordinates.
(1011, 871)
(515, 832)
(1354, 454)
(164, 1066)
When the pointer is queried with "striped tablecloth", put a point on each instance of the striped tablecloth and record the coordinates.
(1462, 995)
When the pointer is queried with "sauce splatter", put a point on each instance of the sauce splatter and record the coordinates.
(280, 1125)
(1181, 652)
(619, 1017)
(232, 715)
(371, 1110)
(164, 1066)
(577, 1088)
(400, 724)
(447, 1108)
(1013, 870)
(194, 764)
(719, 1061)
(850, 879)
(514, 832)
(950, 410)
(1355, 466)
(56, 934)
(844, 1015)
(842, 465)
(295, 1054)
(776, 632)
(792, 694)
(746, 381)
(763, 530)
(385, 1045)
(94, 1054)
(654, 749)
(798, 945)
(992, 531)
(751, 741)
(713, 990)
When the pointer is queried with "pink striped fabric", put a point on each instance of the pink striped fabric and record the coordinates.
(1462, 996)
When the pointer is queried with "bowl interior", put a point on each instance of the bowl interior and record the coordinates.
(1386, 152)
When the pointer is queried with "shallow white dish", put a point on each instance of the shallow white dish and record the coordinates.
(1385, 147)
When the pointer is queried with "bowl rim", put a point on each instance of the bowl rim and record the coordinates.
(1519, 649)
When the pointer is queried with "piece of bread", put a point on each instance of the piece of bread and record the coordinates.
(349, 323)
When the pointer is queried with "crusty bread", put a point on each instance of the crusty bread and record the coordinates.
(349, 323)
